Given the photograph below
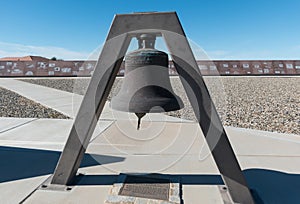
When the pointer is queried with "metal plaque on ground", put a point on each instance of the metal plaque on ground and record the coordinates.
(151, 188)
(145, 187)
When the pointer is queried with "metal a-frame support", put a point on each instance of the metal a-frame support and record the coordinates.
(123, 29)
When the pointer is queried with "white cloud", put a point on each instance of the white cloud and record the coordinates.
(16, 50)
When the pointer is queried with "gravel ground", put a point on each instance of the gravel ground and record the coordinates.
(15, 105)
(263, 103)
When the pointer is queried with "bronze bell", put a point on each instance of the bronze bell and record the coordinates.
(146, 86)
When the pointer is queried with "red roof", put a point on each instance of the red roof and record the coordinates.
(25, 58)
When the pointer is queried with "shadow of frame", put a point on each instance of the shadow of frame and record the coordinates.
(20, 163)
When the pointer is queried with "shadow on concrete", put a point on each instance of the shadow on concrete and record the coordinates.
(185, 179)
(273, 187)
(20, 163)
(267, 186)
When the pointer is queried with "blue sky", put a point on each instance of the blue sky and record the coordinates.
(225, 29)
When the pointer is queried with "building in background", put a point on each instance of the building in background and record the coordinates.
(40, 66)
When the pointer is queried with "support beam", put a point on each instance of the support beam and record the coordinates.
(91, 107)
(207, 117)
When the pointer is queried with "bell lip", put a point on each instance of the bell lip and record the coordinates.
(122, 103)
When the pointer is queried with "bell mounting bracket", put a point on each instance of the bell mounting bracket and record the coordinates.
(122, 30)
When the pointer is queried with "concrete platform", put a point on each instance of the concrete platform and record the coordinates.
(30, 148)
(271, 161)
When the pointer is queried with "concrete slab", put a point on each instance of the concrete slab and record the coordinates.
(182, 141)
(48, 134)
(93, 194)
(152, 138)
(18, 190)
(201, 194)
(11, 123)
(263, 142)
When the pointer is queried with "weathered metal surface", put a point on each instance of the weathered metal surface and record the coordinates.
(144, 187)
(146, 87)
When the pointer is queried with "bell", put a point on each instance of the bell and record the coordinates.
(146, 86)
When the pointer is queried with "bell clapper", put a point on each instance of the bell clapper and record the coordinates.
(139, 115)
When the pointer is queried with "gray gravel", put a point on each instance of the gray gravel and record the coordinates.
(15, 105)
(263, 103)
